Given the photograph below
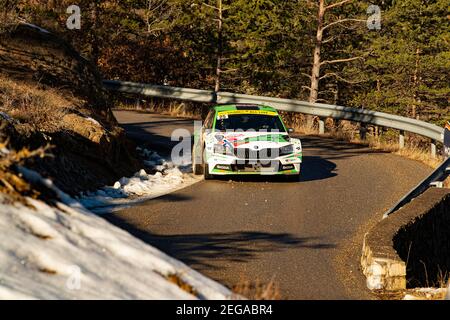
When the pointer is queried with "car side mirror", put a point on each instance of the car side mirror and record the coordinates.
(291, 130)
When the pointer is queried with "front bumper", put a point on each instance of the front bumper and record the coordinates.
(229, 165)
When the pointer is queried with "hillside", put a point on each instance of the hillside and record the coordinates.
(58, 137)
(50, 95)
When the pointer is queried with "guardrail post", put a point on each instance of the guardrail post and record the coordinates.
(433, 149)
(321, 125)
(401, 139)
(326, 111)
(362, 131)
(138, 104)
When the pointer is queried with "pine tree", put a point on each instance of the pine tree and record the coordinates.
(409, 65)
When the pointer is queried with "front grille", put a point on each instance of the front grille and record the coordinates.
(255, 166)
(263, 154)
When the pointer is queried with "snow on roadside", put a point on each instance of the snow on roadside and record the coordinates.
(6, 117)
(92, 120)
(427, 294)
(142, 186)
(34, 27)
(66, 252)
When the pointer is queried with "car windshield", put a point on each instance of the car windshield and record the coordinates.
(246, 122)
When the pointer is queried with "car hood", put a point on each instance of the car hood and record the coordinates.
(251, 139)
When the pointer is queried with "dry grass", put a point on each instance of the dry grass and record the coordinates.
(11, 183)
(166, 107)
(41, 109)
(443, 279)
(8, 15)
(437, 290)
(425, 294)
(387, 142)
(257, 290)
(176, 279)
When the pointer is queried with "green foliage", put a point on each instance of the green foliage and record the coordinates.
(409, 65)
(268, 46)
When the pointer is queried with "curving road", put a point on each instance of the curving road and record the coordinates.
(306, 235)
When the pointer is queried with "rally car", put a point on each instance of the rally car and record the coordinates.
(245, 139)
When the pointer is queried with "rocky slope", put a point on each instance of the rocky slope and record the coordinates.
(50, 95)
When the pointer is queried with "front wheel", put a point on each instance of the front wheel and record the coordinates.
(206, 173)
(292, 178)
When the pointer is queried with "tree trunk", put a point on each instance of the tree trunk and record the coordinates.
(219, 46)
(315, 72)
(95, 51)
(416, 84)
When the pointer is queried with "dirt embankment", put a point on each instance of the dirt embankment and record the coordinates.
(49, 94)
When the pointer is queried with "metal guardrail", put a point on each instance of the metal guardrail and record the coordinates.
(403, 124)
(435, 133)
(436, 179)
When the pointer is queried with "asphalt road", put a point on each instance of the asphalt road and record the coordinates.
(306, 236)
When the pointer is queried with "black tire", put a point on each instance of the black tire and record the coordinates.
(197, 168)
(206, 173)
(292, 178)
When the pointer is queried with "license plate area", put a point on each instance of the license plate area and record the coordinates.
(256, 166)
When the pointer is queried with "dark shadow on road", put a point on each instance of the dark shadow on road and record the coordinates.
(254, 178)
(333, 149)
(157, 134)
(317, 168)
(313, 168)
(174, 197)
(213, 250)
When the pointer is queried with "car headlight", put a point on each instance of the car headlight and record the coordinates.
(286, 150)
(222, 149)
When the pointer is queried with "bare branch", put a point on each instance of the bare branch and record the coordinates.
(337, 4)
(153, 31)
(323, 92)
(306, 75)
(156, 15)
(340, 60)
(152, 8)
(230, 70)
(342, 21)
(308, 88)
(337, 76)
(330, 39)
(210, 6)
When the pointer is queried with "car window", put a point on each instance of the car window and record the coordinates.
(246, 122)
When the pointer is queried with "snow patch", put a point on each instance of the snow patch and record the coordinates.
(427, 294)
(93, 121)
(35, 27)
(6, 117)
(142, 186)
(67, 252)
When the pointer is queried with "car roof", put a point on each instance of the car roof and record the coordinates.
(241, 106)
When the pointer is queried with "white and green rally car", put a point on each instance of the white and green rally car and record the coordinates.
(245, 139)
